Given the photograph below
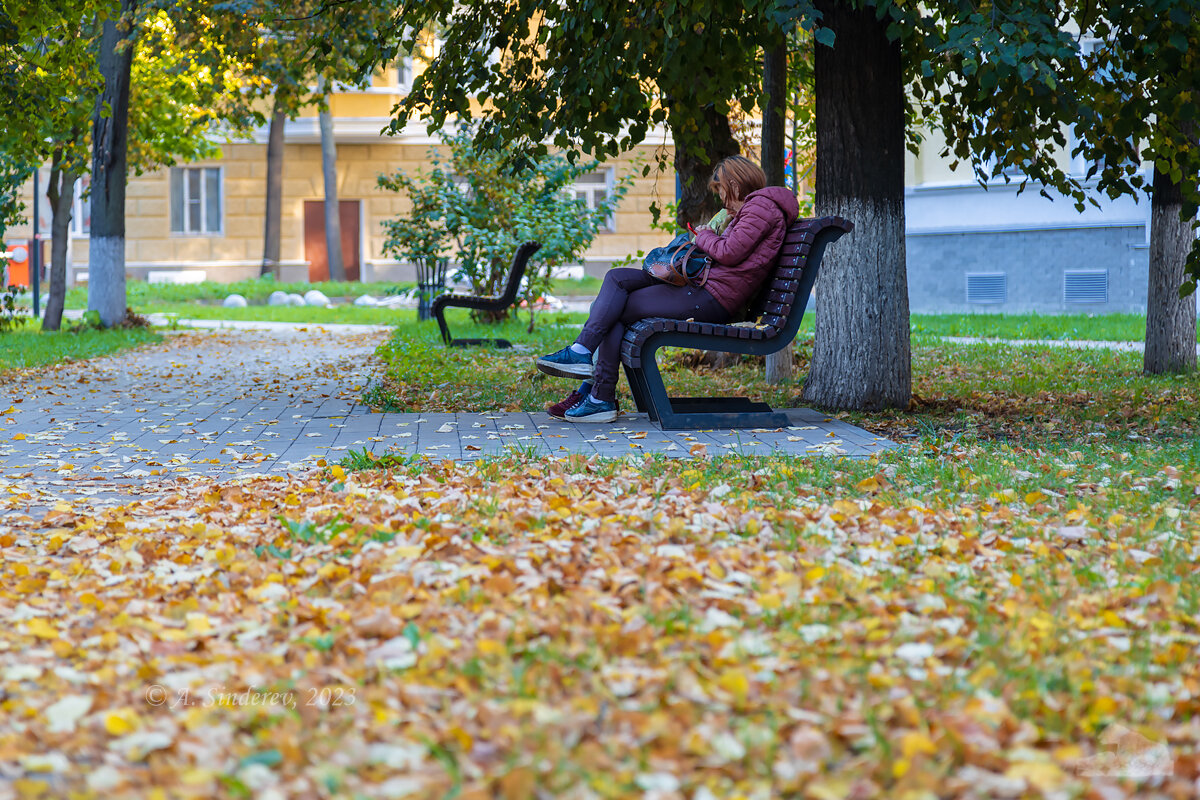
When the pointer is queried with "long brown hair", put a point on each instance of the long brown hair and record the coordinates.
(739, 175)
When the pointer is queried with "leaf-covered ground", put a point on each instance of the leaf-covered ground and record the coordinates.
(946, 622)
(1005, 607)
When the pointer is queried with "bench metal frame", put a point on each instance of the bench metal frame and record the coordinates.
(515, 274)
(683, 413)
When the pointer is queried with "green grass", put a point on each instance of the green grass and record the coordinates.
(257, 290)
(424, 375)
(347, 314)
(1099, 327)
(586, 286)
(994, 392)
(30, 347)
(145, 297)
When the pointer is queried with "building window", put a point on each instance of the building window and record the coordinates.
(81, 210)
(987, 288)
(593, 189)
(404, 74)
(195, 200)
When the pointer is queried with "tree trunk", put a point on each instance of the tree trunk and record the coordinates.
(110, 128)
(274, 193)
(861, 355)
(333, 220)
(775, 114)
(62, 200)
(694, 163)
(1170, 319)
(779, 365)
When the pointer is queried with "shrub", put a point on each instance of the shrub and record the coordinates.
(478, 205)
(12, 315)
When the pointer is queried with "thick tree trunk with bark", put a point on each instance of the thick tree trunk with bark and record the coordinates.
(273, 224)
(779, 365)
(861, 354)
(62, 199)
(694, 169)
(333, 219)
(106, 248)
(1170, 319)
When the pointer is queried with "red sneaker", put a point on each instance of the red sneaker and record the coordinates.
(559, 409)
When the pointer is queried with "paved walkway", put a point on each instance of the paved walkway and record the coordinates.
(1072, 344)
(224, 402)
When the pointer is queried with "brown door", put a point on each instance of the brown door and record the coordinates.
(314, 239)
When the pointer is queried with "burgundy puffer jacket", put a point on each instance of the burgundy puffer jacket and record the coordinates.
(744, 253)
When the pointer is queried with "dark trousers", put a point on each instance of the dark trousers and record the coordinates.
(627, 295)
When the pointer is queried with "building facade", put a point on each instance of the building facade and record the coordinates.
(204, 220)
(981, 249)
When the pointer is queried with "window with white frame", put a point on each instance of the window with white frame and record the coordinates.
(1093, 52)
(81, 209)
(196, 200)
(404, 73)
(592, 189)
(426, 51)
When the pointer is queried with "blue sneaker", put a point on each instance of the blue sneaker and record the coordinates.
(566, 363)
(592, 410)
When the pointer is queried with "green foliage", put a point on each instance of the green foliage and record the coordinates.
(358, 460)
(12, 315)
(594, 77)
(309, 532)
(480, 203)
(90, 321)
(1136, 96)
(656, 62)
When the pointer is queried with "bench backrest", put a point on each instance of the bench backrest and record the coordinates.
(517, 271)
(791, 281)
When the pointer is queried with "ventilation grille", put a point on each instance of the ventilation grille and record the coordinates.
(987, 287)
(1085, 286)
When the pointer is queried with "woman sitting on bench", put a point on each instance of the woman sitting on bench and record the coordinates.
(742, 257)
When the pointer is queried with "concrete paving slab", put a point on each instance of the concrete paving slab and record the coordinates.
(216, 404)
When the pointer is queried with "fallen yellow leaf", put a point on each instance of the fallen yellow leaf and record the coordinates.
(41, 629)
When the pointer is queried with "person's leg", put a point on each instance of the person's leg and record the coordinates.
(673, 302)
(609, 306)
(657, 300)
(608, 360)
(575, 360)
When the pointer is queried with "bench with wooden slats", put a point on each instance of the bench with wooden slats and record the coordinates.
(776, 312)
(515, 274)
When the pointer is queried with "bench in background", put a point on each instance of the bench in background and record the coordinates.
(515, 274)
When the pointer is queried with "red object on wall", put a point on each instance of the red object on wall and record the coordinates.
(18, 265)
